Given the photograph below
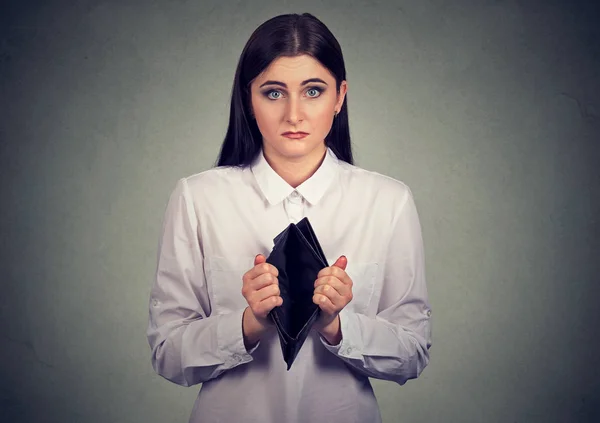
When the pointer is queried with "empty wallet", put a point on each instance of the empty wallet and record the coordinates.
(299, 258)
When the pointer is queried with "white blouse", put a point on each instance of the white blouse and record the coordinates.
(217, 221)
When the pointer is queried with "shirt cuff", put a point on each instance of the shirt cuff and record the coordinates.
(230, 339)
(348, 346)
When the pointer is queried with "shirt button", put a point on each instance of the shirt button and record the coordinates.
(155, 302)
(237, 357)
(295, 197)
(429, 312)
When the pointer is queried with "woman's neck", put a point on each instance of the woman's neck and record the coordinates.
(298, 169)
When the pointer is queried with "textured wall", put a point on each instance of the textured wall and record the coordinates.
(489, 111)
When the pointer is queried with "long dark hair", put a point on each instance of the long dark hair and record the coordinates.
(284, 35)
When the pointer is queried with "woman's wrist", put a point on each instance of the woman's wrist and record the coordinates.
(252, 329)
(332, 332)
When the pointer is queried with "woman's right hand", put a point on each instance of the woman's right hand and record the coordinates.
(260, 288)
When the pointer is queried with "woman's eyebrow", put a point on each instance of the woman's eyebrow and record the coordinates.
(285, 86)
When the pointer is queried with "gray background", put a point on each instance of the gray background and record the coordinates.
(489, 111)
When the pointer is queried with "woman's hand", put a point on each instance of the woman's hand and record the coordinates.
(260, 288)
(333, 291)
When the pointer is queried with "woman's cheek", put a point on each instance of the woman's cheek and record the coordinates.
(313, 113)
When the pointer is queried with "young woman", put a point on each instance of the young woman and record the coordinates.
(287, 155)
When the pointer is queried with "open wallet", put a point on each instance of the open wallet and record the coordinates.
(299, 258)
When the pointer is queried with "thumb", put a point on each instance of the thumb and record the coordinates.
(259, 259)
(342, 262)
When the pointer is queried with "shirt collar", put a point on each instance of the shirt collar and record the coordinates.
(276, 189)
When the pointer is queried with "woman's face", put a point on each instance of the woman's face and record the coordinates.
(295, 94)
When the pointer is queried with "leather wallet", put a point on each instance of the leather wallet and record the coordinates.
(299, 258)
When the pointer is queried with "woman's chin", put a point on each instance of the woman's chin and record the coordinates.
(295, 148)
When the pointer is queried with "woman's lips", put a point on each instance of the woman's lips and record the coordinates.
(297, 136)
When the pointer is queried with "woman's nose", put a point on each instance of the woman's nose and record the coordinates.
(293, 110)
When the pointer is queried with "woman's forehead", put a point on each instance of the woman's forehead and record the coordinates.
(293, 70)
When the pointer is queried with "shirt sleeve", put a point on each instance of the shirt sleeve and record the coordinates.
(189, 346)
(393, 345)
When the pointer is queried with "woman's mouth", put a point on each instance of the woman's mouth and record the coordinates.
(294, 135)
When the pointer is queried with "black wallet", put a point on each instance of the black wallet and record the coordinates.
(299, 258)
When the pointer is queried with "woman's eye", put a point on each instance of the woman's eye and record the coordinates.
(273, 92)
(317, 92)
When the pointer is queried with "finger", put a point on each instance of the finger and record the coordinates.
(262, 281)
(326, 271)
(341, 262)
(265, 306)
(249, 286)
(337, 299)
(264, 293)
(261, 268)
(337, 284)
(340, 274)
(332, 271)
(259, 259)
(324, 303)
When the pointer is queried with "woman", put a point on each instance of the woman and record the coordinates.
(287, 155)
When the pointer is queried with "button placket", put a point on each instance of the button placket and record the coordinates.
(294, 207)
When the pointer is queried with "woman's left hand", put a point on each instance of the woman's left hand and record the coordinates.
(333, 291)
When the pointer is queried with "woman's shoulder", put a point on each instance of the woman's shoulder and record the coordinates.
(216, 178)
(374, 182)
(210, 184)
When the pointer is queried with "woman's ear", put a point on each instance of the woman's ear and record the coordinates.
(341, 95)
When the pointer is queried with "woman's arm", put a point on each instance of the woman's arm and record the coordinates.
(189, 346)
(394, 345)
